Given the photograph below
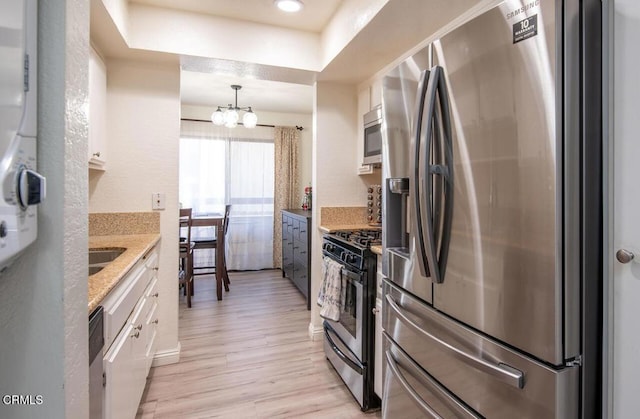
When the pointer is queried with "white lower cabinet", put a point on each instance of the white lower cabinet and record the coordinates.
(120, 379)
(129, 353)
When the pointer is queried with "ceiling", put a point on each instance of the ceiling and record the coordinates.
(398, 27)
(207, 88)
(313, 17)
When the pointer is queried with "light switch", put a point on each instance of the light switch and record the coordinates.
(157, 201)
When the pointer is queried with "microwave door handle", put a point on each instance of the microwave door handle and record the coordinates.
(416, 170)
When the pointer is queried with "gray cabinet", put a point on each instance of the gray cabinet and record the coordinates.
(296, 244)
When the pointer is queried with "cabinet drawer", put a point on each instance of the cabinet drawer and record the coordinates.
(304, 235)
(301, 277)
(151, 325)
(152, 289)
(120, 303)
(118, 368)
(296, 229)
(300, 250)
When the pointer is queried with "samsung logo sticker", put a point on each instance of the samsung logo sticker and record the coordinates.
(521, 10)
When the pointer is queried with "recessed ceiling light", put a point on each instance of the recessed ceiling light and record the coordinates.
(289, 5)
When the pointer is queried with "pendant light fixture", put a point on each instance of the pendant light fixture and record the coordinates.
(290, 6)
(230, 116)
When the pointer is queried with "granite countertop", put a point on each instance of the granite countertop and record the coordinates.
(101, 283)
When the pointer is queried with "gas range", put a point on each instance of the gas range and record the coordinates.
(349, 342)
(351, 247)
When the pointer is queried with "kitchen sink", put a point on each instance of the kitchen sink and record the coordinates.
(99, 258)
(95, 269)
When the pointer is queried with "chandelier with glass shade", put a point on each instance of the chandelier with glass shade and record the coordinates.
(230, 116)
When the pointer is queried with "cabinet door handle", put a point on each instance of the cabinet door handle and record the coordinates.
(156, 269)
(155, 321)
(138, 327)
(156, 294)
(96, 154)
(135, 335)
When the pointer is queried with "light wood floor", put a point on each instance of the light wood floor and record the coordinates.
(247, 356)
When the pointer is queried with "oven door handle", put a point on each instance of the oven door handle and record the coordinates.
(354, 366)
(357, 277)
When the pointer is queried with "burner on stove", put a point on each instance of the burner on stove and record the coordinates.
(364, 237)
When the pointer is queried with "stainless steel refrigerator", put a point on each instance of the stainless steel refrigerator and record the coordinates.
(491, 226)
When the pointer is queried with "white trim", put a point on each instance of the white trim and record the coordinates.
(315, 332)
(171, 356)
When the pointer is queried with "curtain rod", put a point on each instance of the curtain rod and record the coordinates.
(239, 123)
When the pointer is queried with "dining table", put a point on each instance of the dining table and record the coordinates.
(216, 221)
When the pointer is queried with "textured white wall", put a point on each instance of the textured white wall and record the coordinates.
(334, 174)
(143, 119)
(43, 296)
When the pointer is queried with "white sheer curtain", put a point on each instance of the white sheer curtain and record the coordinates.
(234, 166)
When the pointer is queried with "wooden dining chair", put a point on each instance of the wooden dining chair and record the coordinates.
(212, 243)
(186, 246)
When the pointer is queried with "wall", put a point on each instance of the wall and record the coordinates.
(624, 280)
(43, 296)
(335, 159)
(350, 18)
(143, 112)
(274, 118)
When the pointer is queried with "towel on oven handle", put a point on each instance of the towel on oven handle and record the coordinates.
(331, 297)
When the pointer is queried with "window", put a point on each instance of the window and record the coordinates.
(216, 169)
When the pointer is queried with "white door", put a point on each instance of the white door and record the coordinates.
(626, 211)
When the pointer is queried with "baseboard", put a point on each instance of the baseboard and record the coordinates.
(315, 332)
(171, 356)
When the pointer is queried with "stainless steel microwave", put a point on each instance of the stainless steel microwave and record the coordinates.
(373, 136)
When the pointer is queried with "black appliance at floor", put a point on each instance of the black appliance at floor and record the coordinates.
(349, 342)
(96, 378)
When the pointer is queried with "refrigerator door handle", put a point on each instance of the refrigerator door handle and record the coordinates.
(417, 174)
(499, 370)
(437, 140)
(444, 151)
(426, 409)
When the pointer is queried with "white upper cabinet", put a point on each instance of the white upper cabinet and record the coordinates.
(97, 111)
